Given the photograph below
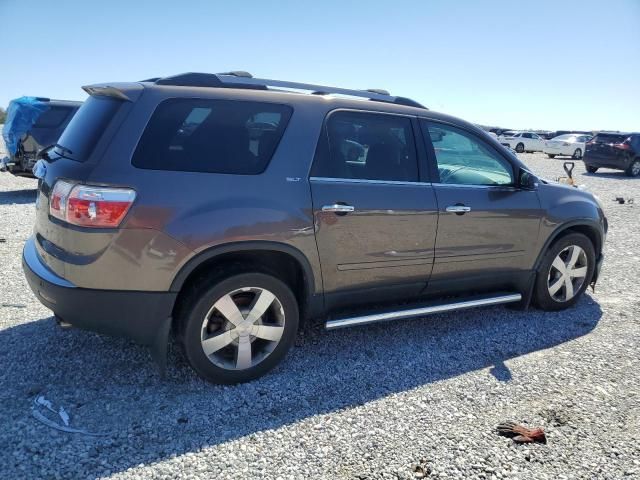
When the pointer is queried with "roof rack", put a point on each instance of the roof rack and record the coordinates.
(241, 79)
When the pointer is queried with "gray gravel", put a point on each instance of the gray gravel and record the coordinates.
(385, 401)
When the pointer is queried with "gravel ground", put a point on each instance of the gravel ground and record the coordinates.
(419, 397)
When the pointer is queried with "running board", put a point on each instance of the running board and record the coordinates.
(424, 310)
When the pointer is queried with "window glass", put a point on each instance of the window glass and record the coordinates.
(535, 137)
(526, 135)
(215, 136)
(464, 159)
(367, 146)
(52, 118)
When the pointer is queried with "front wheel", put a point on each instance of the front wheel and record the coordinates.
(565, 272)
(520, 148)
(634, 169)
(591, 169)
(239, 328)
(577, 155)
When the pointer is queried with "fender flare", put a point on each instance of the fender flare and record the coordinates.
(245, 246)
(584, 222)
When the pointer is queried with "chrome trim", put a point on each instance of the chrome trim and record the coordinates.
(358, 180)
(494, 187)
(338, 208)
(416, 312)
(457, 209)
(35, 264)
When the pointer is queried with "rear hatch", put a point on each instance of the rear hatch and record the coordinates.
(602, 147)
(61, 244)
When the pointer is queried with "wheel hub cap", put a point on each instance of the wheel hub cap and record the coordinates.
(567, 273)
(242, 328)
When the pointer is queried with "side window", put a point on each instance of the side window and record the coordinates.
(367, 146)
(526, 135)
(535, 137)
(464, 159)
(214, 136)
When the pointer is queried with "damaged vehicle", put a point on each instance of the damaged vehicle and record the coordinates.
(224, 211)
(33, 124)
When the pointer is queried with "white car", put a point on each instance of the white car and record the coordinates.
(571, 144)
(523, 141)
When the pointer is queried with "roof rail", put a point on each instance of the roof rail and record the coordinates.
(241, 79)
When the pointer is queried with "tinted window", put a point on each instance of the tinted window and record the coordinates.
(52, 118)
(526, 135)
(609, 138)
(464, 159)
(214, 136)
(86, 127)
(367, 146)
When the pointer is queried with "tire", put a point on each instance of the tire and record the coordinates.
(550, 155)
(520, 148)
(577, 155)
(633, 170)
(591, 169)
(551, 290)
(265, 341)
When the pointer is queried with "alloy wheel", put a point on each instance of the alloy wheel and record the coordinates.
(242, 328)
(567, 273)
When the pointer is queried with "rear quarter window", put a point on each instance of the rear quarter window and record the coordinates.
(212, 136)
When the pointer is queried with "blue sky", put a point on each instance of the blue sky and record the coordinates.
(544, 64)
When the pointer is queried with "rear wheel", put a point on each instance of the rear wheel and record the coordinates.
(565, 272)
(239, 328)
(577, 155)
(633, 170)
(520, 148)
(591, 169)
(550, 155)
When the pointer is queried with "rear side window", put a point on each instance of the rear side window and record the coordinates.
(367, 146)
(86, 127)
(52, 118)
(212, 136)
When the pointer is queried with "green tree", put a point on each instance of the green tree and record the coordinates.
(3, 115)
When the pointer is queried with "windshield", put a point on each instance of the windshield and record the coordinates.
(86, 127)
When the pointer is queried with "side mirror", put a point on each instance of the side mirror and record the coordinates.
(527, 180)
(43, 153)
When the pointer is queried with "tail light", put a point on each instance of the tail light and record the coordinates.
(626, 145)
(85, 206)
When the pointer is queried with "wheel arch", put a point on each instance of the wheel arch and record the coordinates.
(271, 257)
(589, 228)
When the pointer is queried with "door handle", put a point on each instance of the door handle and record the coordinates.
(458, 209)
(338, 208)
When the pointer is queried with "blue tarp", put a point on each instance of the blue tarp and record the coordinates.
(21, 116)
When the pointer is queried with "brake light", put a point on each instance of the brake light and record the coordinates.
(626, 145)
(85, 206)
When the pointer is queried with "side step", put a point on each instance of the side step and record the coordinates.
(424, 310)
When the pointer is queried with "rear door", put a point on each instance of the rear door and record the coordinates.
(375, 215)
(487, 224)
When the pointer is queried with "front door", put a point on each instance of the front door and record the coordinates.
(375, 221)
(487, 225)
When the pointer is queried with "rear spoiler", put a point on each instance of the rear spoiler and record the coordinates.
(127, 92)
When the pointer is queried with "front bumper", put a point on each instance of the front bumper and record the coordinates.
(144, 317)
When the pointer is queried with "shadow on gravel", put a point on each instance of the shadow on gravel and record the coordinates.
(614, 174)
(110, 385)
(19, 197)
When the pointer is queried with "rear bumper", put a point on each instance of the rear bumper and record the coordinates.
(144, 317)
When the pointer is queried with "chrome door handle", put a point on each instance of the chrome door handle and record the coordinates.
(338, 208)
(459, 209)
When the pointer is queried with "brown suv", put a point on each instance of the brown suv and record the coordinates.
(228, 209)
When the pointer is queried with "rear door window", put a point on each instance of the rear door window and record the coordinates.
(212, 136)
(367, 146)
(86, 127)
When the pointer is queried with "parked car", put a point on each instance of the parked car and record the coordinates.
(257, 217)
(620, 151)
(523, 141)
(32, 124)
(571, 144)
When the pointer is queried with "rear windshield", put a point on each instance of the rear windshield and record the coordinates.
(214, 136)
(53, 117)
(83, 132)
(610, 138)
